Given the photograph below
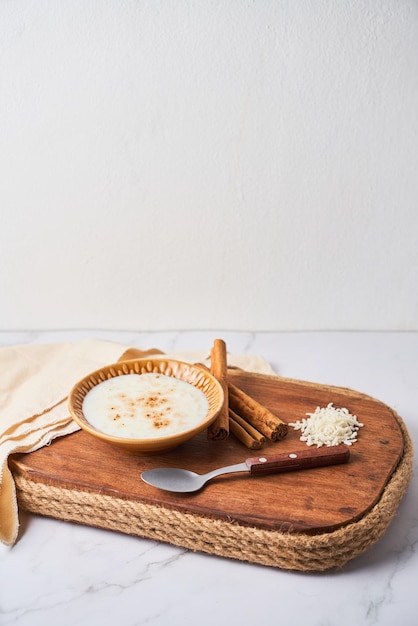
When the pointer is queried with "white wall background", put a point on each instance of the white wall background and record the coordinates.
(205, 164)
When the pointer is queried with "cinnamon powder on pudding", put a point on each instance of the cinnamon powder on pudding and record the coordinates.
(142, 406)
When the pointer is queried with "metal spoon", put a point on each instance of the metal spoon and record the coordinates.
(185, 481)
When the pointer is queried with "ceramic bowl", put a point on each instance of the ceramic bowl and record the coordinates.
(193, 374)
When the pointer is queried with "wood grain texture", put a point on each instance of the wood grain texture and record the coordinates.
(311, 501)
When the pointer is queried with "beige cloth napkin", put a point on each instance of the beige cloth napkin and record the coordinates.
(35, 382)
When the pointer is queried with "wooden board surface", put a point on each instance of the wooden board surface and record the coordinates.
(311, 501)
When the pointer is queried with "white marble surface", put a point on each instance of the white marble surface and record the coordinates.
(65, 574)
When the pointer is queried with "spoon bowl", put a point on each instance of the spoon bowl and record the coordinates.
(184, 481)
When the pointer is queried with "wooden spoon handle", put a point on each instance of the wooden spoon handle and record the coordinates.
(298, 459)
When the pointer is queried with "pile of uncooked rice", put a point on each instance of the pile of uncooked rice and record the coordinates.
(328, 427)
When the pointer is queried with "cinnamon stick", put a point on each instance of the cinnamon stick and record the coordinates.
(246, 433)
(219, 429)
(256, 414)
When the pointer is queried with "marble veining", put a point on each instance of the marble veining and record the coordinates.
(67, 574)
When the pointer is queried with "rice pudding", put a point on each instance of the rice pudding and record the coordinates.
(144, 406)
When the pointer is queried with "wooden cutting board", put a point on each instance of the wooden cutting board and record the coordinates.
(312, 501)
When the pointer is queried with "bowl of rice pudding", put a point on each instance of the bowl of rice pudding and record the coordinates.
(147, 405)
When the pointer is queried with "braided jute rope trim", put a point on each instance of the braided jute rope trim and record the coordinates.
(285, 550)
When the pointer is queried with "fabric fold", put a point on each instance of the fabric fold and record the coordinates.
(35, 382)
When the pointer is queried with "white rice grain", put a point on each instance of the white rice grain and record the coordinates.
(328, 426)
